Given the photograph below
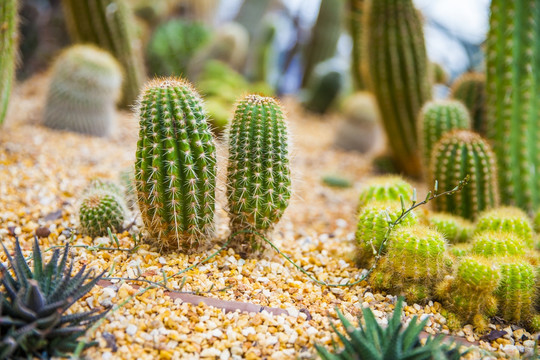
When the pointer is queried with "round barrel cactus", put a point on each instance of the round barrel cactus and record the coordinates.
(508, 220)
(100, 210)
(175, 169)
(454, 228)
(497, 243)
(470, 89)
(385, 188)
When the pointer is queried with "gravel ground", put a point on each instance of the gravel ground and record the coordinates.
(42, 173)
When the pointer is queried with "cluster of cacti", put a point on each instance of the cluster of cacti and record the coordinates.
(355, 15)
(258, 175)
(8, 52)
(396, 71)
(470, 89)
(414, 263)
(110, 25)
(454, 228)
(85, 85)
(324, 37)
(175, 170)
(385, 188)
(458, 154)
(435, 119)
(508, 220)
(172, 46)
(513, 98)
(324, 87)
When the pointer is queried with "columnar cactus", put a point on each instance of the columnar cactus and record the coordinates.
(324, 36)
(470, 89)
(385, 188)
(414, 263)
(8, 52)
(507, 219)
(100, 210)
(172, 45)
(258, 175)
(356, 13)
(436, 118)
(497, 243)
(175, 169)
(325, 85)
(86, 83)
(458, 154)
(513, 98)
(438, 74)
(396, 71)
(454, 228)
(109, 24)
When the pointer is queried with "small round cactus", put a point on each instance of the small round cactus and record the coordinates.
(175, 168)
(470, 89)
(436, 118)
(99, 210)
(258, 174)
(458, 154)
(103, 185)
(497, 243)
(507, 219)
(454, 228)
(385, 188)
(85, 86)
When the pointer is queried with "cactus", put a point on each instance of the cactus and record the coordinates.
(265, 57)
(356, 13)
(455, 229)
(373, 225)
(86, 83)
(497, 243)
(175, 168)
(470, 89)
(396, 71)
(513, 98)
(324, 37)
(173, 44)
(469, 293)
(8, 52)
(103, 185)
(459, 250)
(436, 118)
(438, 74)
(250, 14)
(385, 188)
(110, 25)
(258, 172)
(100, 210)
(536, 221)
(324, 88)
(414, 263)
(507, 219)
(457, 154)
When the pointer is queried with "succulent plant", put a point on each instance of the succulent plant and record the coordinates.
(85, 86)
(469, 293)
(459, 250)
(394, 342)
(325, 34)
(355, 16)
(264, 61)
(397, 72)
(470, 89)
(110, 25)
(175, 170)
(438, 74)
(458, 154)
(513, 99)
(385, 188)
(507, 219)
(173, 44)
(103, 185)
(373, 225)
(324, 87)
(454, 228)
(415, 261)
(436, 118)
(497, 243)
(258, 174)
(34, 302)
(100, 210)
(8, 52)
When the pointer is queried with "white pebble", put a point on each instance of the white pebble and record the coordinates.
(529, 343)
(341, 223)
(217, 333)
(210, 352)
(107, 355)
(311, 331)
(263, 279)
(162, 260)
(131, 329)
(510, 350)
(248, 330)
(225, 355)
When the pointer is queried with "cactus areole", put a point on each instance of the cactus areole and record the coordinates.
(175, 166)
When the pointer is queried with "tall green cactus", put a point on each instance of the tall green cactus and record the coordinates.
(470, 89)
(356, 13)
(436, 119)
(324, 88)
(8, 52)
(324, 36)
(458, 154)
(175, 170)
(110, 25)
(396, 70)
(513, 98)
(258, 173)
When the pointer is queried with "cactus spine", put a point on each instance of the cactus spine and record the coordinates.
(8, 52)
(85, 86)
(175, 170)
(110, 25)
(258, 171)
(513, 98)
(470, 89)
(436, 119)
(457, 154)
(396, 70)
(356, 13)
